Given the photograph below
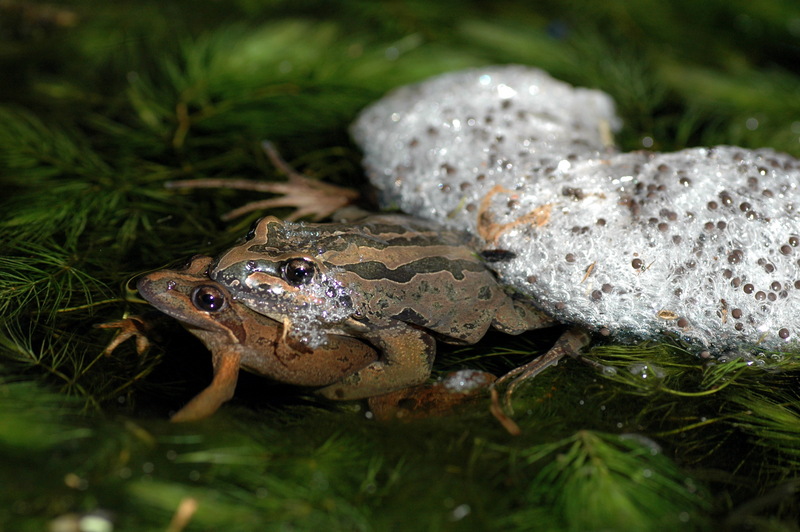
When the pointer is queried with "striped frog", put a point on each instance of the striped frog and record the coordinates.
(392, 281)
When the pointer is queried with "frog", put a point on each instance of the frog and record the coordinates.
(237, 338)
(393, 281)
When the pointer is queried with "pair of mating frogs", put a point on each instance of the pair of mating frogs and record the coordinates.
(353, 308)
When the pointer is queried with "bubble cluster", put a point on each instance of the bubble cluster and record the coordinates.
(701, 244)
(465, 381)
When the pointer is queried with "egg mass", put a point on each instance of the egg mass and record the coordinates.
(702, 244)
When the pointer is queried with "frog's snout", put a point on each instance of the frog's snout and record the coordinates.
(145, 287)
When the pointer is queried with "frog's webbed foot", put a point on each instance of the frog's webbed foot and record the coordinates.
(407, 359)
(309, 197)
(132, 327)
(226, 374)
(570, 343)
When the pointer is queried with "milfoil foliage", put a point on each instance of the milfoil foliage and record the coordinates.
(105, 102)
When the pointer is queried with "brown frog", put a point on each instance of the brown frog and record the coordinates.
(237, 337)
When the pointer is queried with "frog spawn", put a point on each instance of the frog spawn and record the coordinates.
(330, 302)
(701, 244)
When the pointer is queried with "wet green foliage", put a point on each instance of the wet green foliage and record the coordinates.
(102, 103)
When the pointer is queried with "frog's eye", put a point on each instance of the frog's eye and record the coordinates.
(208, 298)
(298, 271)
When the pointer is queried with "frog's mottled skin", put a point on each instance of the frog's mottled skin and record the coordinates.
(238, 337)
(390, 280)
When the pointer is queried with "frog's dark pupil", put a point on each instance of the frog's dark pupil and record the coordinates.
(298, 271)
(208, 298)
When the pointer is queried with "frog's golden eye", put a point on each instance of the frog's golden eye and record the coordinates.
(298, 271)
(208, 298)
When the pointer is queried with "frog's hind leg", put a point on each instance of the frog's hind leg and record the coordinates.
(309, 197)
(406, 360)
(570, 343)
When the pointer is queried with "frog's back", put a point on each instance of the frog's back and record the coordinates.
(405, 269)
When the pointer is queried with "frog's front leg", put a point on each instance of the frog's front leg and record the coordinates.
(226, 374)
(226, 365)
(407, 359)
(137, 327)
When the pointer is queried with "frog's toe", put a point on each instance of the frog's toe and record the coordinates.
(133, 327)
(309, 197)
